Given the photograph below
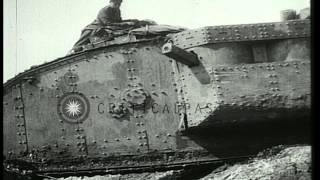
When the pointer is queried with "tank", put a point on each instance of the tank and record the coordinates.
(158, 99)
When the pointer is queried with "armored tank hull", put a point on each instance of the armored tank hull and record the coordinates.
(146, 103)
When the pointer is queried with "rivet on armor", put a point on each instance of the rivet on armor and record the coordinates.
(164, 93)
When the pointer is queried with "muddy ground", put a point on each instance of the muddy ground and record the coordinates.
(277, 163)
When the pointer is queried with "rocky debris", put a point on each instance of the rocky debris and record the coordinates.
(145, 176)
(277, 163)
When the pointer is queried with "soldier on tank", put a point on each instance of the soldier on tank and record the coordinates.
(108, 20)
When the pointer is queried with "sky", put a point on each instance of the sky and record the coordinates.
(38, 31)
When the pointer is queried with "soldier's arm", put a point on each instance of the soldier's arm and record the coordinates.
(123, 23)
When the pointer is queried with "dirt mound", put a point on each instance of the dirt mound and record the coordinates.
(292, 163)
